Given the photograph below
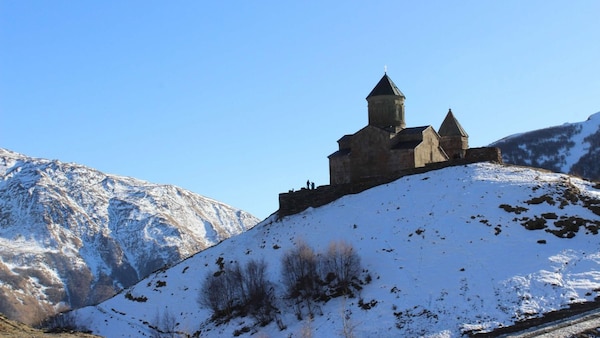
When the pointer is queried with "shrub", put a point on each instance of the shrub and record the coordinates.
(164, 326)
(63, 322)
(141, 299)
(258, 298)
(222, 291)
(309, 277)
(340, 266)
(300, 277)
(300, 271)
(234, 291)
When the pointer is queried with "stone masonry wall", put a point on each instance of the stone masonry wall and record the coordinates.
(294, 202)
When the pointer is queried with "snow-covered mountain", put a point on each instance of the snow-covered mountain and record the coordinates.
(461, 249)
(572, 148)
(72, 236)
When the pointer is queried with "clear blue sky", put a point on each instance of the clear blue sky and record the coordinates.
(241, 100)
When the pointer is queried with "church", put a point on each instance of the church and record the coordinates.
(386, 147)
(386, 150)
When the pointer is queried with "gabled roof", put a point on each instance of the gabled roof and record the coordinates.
(385, 86)
(451, 127)
(342, 152)
(410, 138)
(345, 138)
(413, 130)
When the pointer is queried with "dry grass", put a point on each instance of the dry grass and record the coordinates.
(12, 329)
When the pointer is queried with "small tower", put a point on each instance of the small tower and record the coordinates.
(386, 105)
(454, 139)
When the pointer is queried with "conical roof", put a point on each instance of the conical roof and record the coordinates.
(451, 127)
(385, 86)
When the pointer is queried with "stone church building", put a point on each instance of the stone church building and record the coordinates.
(386, 147)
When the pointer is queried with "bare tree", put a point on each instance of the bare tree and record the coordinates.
(300, 271)
(259, 291)
(164, 326)
(300, 276)
(233, 291)
(340, 266)
(222, 291)
(308, 278)
(64, 322)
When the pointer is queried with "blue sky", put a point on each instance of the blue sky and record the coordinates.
(241, 100)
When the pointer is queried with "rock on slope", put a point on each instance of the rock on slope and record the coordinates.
(572, 148)
(460, 249)
(71, 236)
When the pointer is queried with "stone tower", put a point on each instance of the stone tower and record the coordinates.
(386, 106)
(454, 139)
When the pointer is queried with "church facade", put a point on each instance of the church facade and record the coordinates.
(386, 147)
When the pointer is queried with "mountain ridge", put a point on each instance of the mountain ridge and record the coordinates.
(570, 148)
(72, 236)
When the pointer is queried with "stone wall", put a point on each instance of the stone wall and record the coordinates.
(401, 158)
(339, 169)
(294, 202)
(484, 154)
(428, 151)
(370, 153)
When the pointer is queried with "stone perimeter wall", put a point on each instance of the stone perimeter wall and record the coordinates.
(294, 202)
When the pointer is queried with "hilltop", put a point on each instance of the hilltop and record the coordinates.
(452, 251)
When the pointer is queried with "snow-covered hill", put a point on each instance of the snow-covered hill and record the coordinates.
(466, 248)
(572, 148)
(71, 236)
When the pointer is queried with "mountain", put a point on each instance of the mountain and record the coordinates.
(451, 251)
(72, 236)
(572, 148)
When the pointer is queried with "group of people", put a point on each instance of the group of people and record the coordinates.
(309, 185)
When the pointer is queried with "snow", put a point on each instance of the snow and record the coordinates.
(568, 145)
(59, 218)
(587, 128)
(444, 258)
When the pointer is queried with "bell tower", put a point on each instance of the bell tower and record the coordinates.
(386, 105)
(454, 139)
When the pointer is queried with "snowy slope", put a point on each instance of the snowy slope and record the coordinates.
(572, 148)
(71, 236)
(447, 251)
